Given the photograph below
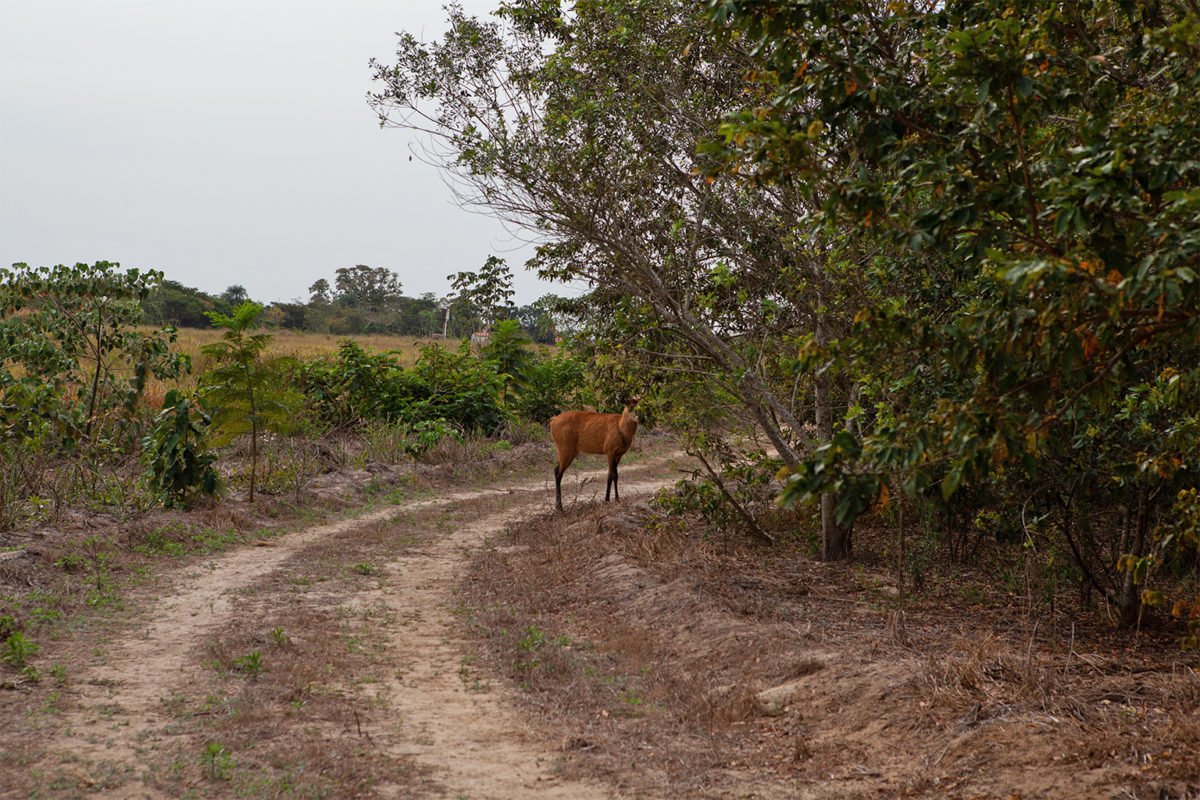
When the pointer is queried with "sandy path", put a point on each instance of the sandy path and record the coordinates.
(476, 746)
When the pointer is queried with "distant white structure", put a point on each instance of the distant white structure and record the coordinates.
(480, 338)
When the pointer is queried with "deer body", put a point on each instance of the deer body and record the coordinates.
(576, 432)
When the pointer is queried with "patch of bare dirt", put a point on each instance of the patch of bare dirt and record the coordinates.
(677, 664)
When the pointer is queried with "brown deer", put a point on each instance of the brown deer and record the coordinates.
(576, 432)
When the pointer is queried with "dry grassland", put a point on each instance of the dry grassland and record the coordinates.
(301, 345)
(305, 345)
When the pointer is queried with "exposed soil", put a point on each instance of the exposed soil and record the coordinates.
(472, 644)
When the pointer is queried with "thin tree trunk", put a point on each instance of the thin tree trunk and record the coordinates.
(87, 431)
(1129, 601)
(835, 539)
(253, 436)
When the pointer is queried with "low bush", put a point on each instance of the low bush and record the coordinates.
(550, 385)
(444, 385)
(178, 465)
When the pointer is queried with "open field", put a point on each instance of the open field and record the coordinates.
(295, 344)
(304, 345)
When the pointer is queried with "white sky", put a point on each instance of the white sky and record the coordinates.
(224, 142)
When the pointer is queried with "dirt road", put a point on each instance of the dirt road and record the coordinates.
(234, 680)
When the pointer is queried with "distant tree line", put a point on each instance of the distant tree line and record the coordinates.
(366, 300)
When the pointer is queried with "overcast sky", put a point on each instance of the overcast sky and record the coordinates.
(224, 142)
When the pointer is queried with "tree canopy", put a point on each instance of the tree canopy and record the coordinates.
(945, 249)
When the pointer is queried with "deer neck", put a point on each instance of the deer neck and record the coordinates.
(629, 424)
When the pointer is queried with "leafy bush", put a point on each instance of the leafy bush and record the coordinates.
(459, 388)
(426, 434)
(177, 464)
(444, 385)
(69, 353)
(550, 385)
(508, 353)
(737, 495)
(356, 386)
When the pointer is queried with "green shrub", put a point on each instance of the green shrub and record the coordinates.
(549, 385)
(508, 353)
(356, 386)
(426, 434)
(178, 466)
(449, 386)
(17, 650)
(458, 388)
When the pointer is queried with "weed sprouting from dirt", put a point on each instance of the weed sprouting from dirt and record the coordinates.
(17, 650)
(216, 762)
(250, 664)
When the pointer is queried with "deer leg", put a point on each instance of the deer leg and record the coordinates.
(616, 478)
(564, 460)
(558, 487)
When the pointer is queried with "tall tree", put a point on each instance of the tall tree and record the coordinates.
(489, 291)
(319, 293)
(368, 288)
(1038, 166)
(584, 127)
(235, 295)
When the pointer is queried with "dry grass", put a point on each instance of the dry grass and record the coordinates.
(593, 642)
(305, 345)
(295, 344)
(922, 696)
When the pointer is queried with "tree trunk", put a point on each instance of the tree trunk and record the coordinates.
(253, 456)
(1129, 599)
(253, 433)
(91, 414)
(835, 539)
